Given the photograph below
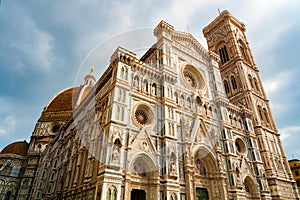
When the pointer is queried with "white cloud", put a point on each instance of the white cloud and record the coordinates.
(7, 124)
(28, 44)
(2, 132)
(290, 139)
(274, 85)
(35, 44)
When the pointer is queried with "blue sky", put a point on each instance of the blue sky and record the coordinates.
(43, 45)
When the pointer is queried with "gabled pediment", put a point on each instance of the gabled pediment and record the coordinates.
(188, 41)
(142, 142)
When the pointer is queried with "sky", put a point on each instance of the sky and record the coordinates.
(44, 46)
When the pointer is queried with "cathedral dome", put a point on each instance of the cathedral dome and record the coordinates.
(18, 148)
(63, 100)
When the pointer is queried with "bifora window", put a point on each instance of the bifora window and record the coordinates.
(223, 54)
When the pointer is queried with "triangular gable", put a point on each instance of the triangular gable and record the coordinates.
(187, 40)
(142, 142)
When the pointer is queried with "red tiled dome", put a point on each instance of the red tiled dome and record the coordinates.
(65, 100)
(62, 101)
(19, 148)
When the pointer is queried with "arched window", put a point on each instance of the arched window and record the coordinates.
(182, 100)
(226, 86)
(120, 113)
(117, 143)
(233, 83)
(223, 54)
(114, 195)
(256, 84)
(52, 176)
(169, 91)
(49, 188)
(123, 74)
(111, 193)
(170, 113)
(176, 97)
(15, 171)
(136, 82)
(145, 86)
(266, 115)
(153, 89)
(243, 51)
(250, 80)
(171, 129)
(189, 104)
(260, 112)
(108, 194)
(55, 164)
(198, 101)
(120, 95)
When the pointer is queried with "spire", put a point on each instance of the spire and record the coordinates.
(90, 78)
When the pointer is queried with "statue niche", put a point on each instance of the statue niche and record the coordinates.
(115, 157)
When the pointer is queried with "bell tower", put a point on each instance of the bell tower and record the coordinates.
(226, 36)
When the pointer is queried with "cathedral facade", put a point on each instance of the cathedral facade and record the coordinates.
(179, 123)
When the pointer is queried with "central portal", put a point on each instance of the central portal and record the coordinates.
(138, 194)
(201, 194)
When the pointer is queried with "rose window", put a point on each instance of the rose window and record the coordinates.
(141, 117)
(193, 78)
(190, 79)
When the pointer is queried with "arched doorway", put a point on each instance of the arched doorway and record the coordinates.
(251, 189)
(201, 194)
(138, 194)
(208, 183)
(143, 173)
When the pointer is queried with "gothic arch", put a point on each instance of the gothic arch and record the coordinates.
(169, 92)
(250, 188)
(222, 51)
(251, 81)
(188, 102)
(256, 84)
(266, 115)
(136, 80)
(176, 97)
(243, 50)
(207, 158)
(111, 193)
(124, 72)
(143, 166)
(226, 86)
(154, 88)
(182, 100)
(233, 82)
(145, 85)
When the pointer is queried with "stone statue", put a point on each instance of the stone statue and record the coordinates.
(173, 167)
(115, 154)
